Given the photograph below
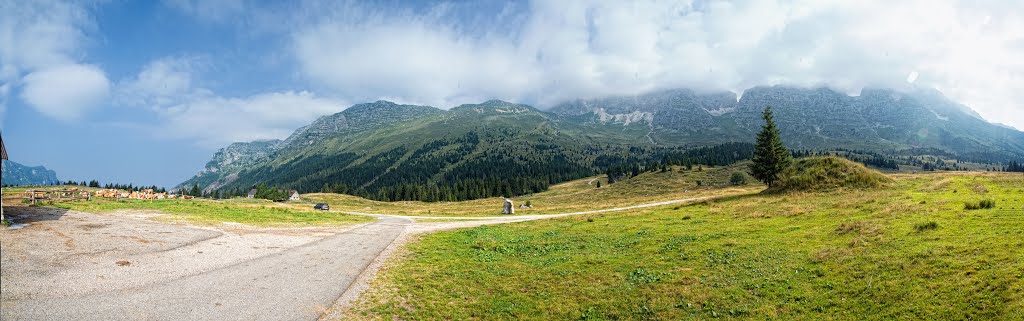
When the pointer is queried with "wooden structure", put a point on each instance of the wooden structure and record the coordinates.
(3, 156)
(57, 195)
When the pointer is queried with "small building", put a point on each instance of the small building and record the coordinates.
(252, 193)
(294, 195)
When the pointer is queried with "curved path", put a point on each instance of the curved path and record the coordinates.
(301, 283)
(521, 218)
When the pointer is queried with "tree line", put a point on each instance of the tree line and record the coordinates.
(125, 187)
(1014, 167)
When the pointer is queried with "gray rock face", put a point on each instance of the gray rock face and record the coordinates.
(509, 207)
(667, 108)
(230, 160)
(810, 118)
(323, 127)
(240, 155)
(19, 175)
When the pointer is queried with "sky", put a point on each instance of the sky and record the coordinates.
(144, 92)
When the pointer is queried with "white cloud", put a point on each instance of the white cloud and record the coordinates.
(159, 83)
(435, 65)
(566, 49)
(40, 50)
(217, 121)
(171, 88)
(66, 92)
(35, 34)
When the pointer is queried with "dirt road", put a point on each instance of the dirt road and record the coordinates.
(174, 272)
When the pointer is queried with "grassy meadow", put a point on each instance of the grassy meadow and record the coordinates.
(250, 212)
(213, 212)
(907, 251)
(573, 196)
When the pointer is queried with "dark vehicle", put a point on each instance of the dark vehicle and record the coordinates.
(322, 207)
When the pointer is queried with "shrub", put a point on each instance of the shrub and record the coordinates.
(982, 204)
(738, 178)
(921, 227)
(987, 204)
(971, 206)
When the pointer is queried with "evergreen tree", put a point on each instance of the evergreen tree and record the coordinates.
(196, 192)
(770, 155)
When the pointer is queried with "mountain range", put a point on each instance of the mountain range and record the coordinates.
(14, 174)
(386, 150)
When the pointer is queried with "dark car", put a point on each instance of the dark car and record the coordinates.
(322, 207)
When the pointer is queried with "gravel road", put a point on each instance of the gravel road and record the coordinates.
(191, 273)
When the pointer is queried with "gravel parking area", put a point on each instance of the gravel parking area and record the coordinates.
(64, 256)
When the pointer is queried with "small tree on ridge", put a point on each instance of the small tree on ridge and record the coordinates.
(770, 155)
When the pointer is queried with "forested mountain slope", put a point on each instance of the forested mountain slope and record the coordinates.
(389, 151)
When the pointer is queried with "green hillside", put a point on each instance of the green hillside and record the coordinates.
(389, 152)
(470, 152)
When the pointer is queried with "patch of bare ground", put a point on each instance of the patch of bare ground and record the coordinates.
(125, 249)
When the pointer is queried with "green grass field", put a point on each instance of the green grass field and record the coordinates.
(908, 251)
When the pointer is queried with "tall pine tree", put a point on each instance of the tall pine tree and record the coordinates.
(770, 155)
(196, 192)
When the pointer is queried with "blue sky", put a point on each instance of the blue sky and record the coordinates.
(144, 92)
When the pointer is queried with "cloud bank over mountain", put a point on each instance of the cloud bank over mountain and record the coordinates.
(548, 51)
(542, 52)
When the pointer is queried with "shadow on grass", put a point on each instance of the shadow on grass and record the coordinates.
(729, 198)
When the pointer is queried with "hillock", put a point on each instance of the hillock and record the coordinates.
(828, 173)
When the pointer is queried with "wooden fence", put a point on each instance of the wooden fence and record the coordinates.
(56, 196)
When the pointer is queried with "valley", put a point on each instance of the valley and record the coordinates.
(511, 160)
(617, 215)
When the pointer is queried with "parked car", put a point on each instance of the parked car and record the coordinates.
(322, 207)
